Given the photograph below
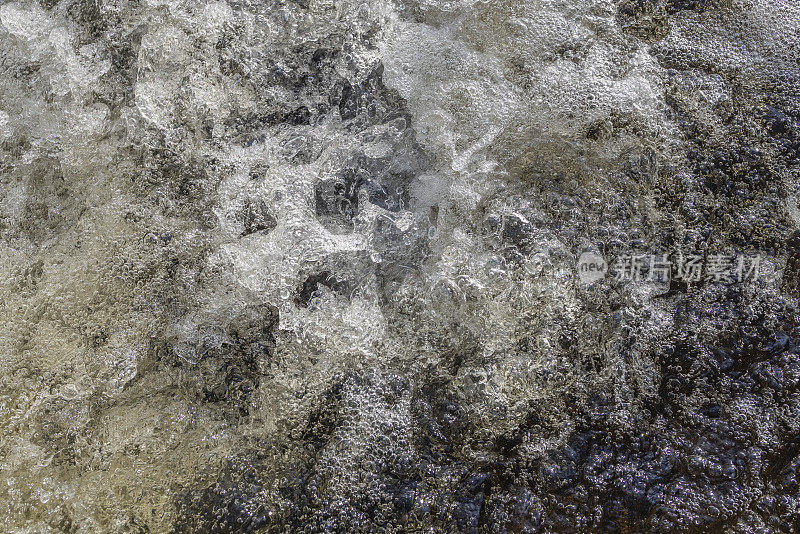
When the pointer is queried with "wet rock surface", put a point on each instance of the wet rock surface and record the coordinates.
(310, 266)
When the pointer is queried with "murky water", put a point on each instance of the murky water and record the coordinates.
(313, 266)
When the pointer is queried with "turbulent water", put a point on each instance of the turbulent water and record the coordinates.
(310, 266)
